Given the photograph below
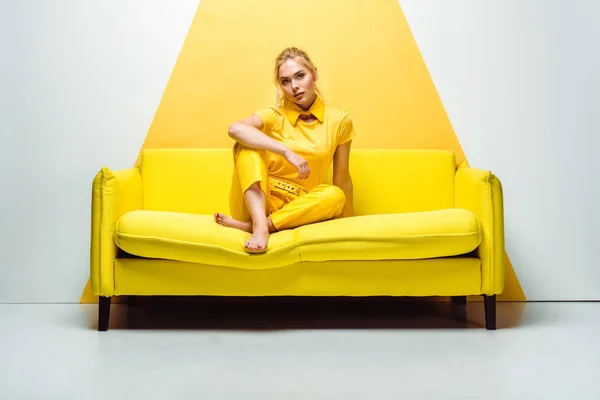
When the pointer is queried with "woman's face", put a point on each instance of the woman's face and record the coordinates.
(298, 83)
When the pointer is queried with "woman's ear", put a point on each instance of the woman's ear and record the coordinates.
(316, 74)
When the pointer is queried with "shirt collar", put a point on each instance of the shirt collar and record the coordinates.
(293, 111)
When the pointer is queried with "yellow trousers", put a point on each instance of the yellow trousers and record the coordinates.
(288, 205)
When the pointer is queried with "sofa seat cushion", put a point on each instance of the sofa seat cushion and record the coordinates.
(402, 236)
(198, 239)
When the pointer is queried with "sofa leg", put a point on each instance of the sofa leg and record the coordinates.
(103, 313)
(459, 309)
(490, 311)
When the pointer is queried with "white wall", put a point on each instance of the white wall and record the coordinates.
(80, 83)
(520, 82)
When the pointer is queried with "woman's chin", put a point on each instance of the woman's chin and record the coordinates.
(303, 101)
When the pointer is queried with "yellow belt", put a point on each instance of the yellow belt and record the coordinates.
(287, 186)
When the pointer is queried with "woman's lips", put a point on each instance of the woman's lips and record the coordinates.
(298, 96)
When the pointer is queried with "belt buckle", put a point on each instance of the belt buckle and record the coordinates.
(288, 187)
(291, 188)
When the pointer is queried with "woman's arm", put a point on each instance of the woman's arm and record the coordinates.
(341, 176)
(247, 132)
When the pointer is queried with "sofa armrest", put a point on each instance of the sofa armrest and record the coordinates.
(113, 194)
(481, 192)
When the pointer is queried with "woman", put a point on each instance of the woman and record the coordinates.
(282, 155)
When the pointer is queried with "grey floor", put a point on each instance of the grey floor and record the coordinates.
(300, 349)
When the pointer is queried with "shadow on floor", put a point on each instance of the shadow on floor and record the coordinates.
(293, 313)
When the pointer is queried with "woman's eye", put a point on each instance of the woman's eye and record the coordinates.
(300, 76)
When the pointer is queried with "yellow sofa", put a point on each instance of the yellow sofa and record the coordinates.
(423, 227)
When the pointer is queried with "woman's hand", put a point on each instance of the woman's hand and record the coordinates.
(298, 162)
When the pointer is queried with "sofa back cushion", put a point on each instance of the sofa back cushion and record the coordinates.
(385, 180)
(398, 180)
(193, 181)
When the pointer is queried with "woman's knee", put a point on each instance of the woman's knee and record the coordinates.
(247, 155)
(250, 168)
(333, 195)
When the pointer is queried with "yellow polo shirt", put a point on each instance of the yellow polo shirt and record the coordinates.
(315, 141)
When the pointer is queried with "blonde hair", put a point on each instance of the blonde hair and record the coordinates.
(287, 54)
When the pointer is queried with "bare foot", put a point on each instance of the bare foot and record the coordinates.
(229, 222)
(258, 241)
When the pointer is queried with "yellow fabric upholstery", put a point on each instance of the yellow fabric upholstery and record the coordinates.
(422, 228)
(193, 181)
(197, 238)
(407, 236)
(453, 276)
(481, 192)
(385, 181)
(113, 194)
(394, 181)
